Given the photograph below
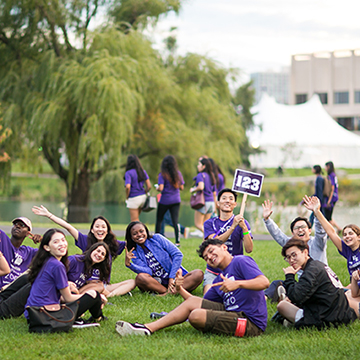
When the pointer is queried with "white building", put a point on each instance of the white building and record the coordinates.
(335, 77)
(275, 84)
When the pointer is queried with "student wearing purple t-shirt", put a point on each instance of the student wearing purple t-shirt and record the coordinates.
(329, 202)
(18, 256)
(170, 182)
(49, 281)
(235, 305)
(204, 181)
(219, 176)
(156, 259)
(100, 231)
(135, 179)
(233, 230)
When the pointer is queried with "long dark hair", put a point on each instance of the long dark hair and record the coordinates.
(133, 162)
(110, 239)
(42, 256)
(130, 243)
(170, 171)
(216, 170)
(208, 169)
(103, 267)
(330, 167)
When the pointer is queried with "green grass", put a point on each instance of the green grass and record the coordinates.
(182, 341)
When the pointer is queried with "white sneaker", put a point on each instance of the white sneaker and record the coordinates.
(82, 323)
(124, 328)
(197, 233)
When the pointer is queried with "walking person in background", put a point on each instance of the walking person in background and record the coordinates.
(170, 182)
(319, 189)
(135, 178)
(329, 202)
(219, 176)
(204, 181)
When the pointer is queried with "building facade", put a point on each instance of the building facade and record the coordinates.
(335, 77)
(275, 84)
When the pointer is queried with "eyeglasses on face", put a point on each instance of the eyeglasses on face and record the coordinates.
(292, 256)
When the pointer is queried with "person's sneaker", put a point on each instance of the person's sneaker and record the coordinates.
(177, 244)
(82, 323)
(281, 293)
(129, 293)
(287, 323)
(155, 315)
(92, 320)
(186, 232)
(197, 233)
(124, 328)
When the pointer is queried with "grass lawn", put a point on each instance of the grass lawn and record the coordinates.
(182, 341)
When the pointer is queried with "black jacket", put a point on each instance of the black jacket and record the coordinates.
(322, 302)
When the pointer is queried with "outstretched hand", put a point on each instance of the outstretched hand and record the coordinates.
(41, 210)
(311, 203)
(267, 209)
(226, 285)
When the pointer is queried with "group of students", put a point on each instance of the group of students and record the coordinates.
(235, 289)
(209, 179)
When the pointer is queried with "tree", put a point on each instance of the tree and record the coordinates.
(243, 102)
(89, 106)
(4, 156)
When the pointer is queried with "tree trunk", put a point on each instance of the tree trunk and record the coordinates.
(78, 199)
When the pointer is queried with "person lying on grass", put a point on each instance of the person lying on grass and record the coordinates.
(318, 302)
(156, 260)
(235, 304)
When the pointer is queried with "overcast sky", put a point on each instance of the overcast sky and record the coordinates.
(261, 35)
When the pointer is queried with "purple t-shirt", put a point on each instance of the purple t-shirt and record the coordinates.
(137, 188)
(235, 240)
(334, 181)
(251, 302)
(352, 257)
(18, 259)
(221, 183)
(45, 289)
(209, 189)
(169, 195)
(76, 272)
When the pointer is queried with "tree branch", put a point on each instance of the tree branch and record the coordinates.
(54, 162)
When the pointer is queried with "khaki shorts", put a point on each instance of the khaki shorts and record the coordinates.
(220, 321)
(135, 202)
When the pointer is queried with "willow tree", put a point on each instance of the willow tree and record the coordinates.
(88, 106)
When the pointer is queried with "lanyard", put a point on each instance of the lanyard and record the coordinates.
(221, 230)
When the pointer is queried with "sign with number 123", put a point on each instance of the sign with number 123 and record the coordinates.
(247, 182)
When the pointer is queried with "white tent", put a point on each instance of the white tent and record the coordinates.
(300, 136)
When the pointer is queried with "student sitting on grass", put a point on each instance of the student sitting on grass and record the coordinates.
(318, 302)
(48, 278)
(156, 260)
(93, 265)
(100, 231)
(235, 305)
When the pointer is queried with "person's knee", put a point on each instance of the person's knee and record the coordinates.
(198, 275)
(197, 318)
(92, 293)
(141, 279)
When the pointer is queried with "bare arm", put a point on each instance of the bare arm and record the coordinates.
(313, 204)
(4, 266)
(127, 190)
(199, 187)
(43, 211)
(261, 282)
(148, 185)
(355, 291)
(68, 296)
(179, 282)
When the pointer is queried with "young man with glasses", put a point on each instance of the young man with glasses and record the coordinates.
(319, 302)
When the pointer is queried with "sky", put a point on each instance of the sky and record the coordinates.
(261, 35)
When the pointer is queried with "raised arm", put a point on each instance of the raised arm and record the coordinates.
(313, 204)
(271, 227)
(43, 211)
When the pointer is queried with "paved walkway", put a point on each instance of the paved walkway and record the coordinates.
(121, 233)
